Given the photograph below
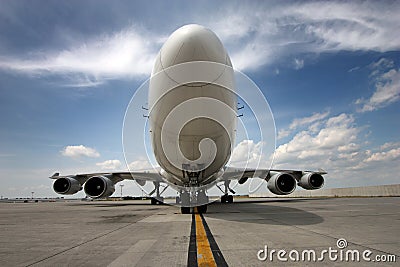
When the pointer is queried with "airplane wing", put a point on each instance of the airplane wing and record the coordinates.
(102, 184)
(242, 174)
(234, 173)
(280, 182)
(145, 175)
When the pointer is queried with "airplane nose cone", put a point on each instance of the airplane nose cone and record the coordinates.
(191, 43)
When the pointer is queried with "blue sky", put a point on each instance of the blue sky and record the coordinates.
(329, 70)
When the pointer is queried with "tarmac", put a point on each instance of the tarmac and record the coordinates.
(135, 233)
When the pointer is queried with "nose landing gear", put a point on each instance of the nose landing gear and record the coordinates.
(226, 198)
(193, 202)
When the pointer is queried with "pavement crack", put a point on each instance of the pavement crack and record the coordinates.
(83, 243)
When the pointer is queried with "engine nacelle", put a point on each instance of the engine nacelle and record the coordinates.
(311, 181)
(140, 182)
(99, 187)
(66, 186)
(282, 183)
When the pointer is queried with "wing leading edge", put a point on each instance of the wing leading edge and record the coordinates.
(101, 184)
(280, 182)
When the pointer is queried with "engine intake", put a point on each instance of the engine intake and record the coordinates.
(311, 181)
(66, 186)
(99, 187)
(282, 183)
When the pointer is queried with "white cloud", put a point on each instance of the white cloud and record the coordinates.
(381, 64)
(111, 164)
(264, 35)
(353, 69)
(351, 25)
(387, 91)
(390, 145)
(338, 147)
(282, 133)
(124, 54)
(314, 120)
(384, 155)
(298, 122)
(348, 148)
(140, 164)
(80, 151)
(260, 36)
(298, 63)
(334, 137)
(315, 127)
(251, 154)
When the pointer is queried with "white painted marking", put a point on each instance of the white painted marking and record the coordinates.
(132, 256)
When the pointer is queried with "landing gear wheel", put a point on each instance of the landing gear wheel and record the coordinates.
(224, 198)
(230, 199)
(177, 200)
(155, 201)
(202, 209)
(185, 210)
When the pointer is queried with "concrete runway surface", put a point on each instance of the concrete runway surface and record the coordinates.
(135, 233)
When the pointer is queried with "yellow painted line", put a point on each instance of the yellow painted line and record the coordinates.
(204, 253)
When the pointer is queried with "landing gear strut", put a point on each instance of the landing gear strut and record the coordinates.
(158, 199)
(226, 198)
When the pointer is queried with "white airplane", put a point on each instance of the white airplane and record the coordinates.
(192, 119)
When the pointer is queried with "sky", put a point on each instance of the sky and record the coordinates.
(330, 71)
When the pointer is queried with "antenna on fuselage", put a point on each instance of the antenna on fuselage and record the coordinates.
(239, 108)
(145, 108)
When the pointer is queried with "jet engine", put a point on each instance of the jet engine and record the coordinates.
(282, 183)
(99, 187)
(311, 181)
(66, 186)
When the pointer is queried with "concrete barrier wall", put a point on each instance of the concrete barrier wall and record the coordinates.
(363, 191)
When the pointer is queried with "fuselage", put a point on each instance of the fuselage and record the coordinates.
(192, 105)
